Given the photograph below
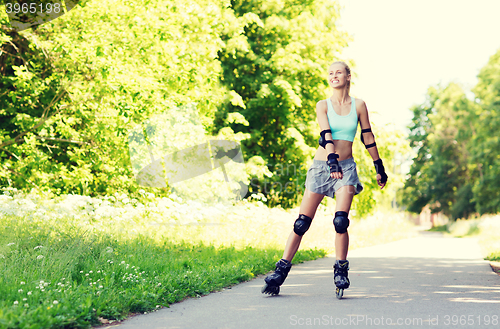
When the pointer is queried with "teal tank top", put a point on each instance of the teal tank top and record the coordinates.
(343, 126)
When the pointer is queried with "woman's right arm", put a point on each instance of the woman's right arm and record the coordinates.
(321, 110)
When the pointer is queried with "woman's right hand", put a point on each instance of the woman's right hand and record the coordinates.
(336, 175)
(333, 163)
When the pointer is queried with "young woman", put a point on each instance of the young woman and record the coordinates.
(333, 173)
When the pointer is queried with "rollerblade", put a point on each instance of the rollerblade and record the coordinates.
(275, 280)
(340, 277)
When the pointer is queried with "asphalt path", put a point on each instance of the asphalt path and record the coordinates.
(425, 282)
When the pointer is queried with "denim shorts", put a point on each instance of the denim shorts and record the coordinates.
(319, 181)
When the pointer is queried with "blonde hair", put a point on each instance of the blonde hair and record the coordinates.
(348, 71)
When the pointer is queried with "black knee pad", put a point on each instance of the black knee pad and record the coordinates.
(341, 222)
(302, 224)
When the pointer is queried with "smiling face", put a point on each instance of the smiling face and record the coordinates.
(338, 77)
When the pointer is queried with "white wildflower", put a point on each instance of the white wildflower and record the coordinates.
(37, 247)
(16, 302)
(39, 257)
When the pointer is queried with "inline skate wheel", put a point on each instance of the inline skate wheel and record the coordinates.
(270, 290)
(339, 293)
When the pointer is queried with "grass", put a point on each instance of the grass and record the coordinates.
(440, 228)
(74, 262)
(52, 278)
(494, 256)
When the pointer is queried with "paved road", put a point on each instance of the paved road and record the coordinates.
(428, 281)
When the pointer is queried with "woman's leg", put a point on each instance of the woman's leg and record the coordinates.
(343, 198)
(308, 207)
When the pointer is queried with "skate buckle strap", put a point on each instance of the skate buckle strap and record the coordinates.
(283, 263)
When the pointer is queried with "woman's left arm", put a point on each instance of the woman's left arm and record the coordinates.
(368, 139)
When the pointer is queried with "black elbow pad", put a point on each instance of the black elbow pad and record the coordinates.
(322, 141)
(369, 130)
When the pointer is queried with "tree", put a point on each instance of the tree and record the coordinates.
(440, 176)
(485, 143)
(277, 68)
(74, 87)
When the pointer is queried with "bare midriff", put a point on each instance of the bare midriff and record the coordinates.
(342, 148)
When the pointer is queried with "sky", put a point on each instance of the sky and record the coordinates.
(400, 48)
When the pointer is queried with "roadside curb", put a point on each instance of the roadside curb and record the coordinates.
(495, 267)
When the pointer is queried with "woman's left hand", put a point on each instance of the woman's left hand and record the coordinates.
(379, 178)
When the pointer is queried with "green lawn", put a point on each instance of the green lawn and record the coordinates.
(70, 278)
